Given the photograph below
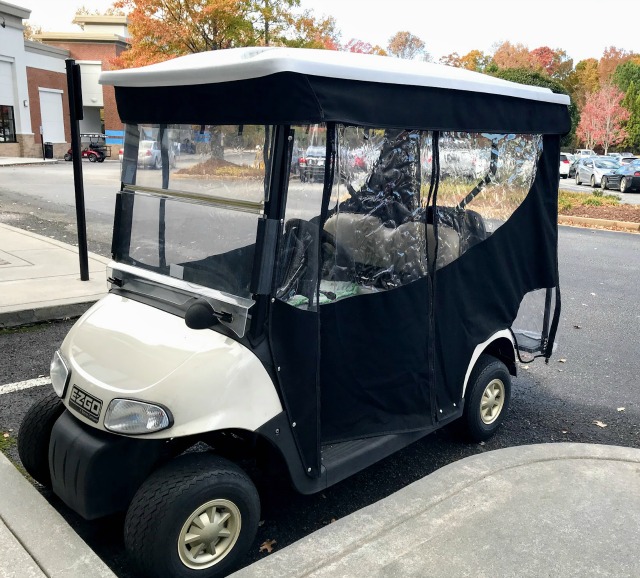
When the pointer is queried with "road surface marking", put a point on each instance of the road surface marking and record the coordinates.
(19, 385)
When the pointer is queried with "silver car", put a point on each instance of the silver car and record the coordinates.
(592, 169)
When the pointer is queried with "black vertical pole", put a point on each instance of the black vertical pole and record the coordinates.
(74, 90)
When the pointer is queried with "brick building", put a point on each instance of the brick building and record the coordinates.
(34, 105)
(101, 39)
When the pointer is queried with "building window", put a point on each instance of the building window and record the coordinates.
(7, 124)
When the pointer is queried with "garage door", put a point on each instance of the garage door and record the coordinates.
(51, 113)
(6, 84)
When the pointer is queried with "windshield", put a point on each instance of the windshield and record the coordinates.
(191, 205)
(607, 165)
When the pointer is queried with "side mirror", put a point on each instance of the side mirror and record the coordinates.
(200, 315)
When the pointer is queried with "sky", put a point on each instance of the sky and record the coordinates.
(583, 28)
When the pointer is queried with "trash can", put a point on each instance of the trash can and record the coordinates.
(48, 150)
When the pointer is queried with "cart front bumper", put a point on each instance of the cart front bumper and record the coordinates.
(96, 473)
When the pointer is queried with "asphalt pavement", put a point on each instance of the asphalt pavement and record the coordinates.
(541, 510)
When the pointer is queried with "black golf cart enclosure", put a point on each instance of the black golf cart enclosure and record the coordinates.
(317, 322)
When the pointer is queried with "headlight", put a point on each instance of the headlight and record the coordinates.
(127, 416)
(59, 374)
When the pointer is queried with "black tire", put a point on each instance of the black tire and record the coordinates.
(67, 156)
(101, 160)
(157, 164)
(604, 183)
(593, 181)
(489, 376)
(157, 520)
(34, 436)
(578, 181)
(624, 187)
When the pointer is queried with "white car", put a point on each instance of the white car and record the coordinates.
(565, 163)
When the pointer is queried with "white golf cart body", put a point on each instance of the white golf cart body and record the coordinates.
(331, 323)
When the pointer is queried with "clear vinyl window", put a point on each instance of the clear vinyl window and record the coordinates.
(389, 222)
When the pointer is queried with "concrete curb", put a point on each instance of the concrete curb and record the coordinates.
(418, 527)
(42, 542)
(588, 221)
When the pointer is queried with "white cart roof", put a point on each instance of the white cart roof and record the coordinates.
(246, 63)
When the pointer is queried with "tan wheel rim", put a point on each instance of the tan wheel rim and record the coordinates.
(209, 534)
(492, 401)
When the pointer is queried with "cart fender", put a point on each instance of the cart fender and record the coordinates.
(485, 347)
(121, 348)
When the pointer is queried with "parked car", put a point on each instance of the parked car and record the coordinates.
(585, 153)
(572, 167)
(150, 155)
(565, 164)
(625, 178)
(591, 170)
(627, 159)
(312, 164)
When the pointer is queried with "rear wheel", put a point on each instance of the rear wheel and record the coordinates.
(487, 398)
(197, 516)
(604, 183)
(34, 436)
(624, 185)
(67, 156)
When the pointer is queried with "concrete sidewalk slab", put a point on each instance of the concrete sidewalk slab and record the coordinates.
(36, 540)
(543, 510)
(40, 278)
(14, 161)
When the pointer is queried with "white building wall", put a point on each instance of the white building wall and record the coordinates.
(12, 51)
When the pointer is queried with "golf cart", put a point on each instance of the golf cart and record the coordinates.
(258, 323)
(92, 146)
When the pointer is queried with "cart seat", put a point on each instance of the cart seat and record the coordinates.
(369, 242)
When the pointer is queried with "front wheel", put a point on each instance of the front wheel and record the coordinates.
(487, 398)
(198, 515)
(34, 436)
(67, 156)
(593, 181)
(578, 181)
(93, 158)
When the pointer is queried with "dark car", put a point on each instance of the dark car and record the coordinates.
(312, 164)
(625, 179)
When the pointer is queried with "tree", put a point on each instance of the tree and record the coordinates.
(602, 118)
(452, 59)
(163, 29)
(28, 31)
(361, 47)
(536, 78)
(556, 63)
(625, 74)
(306, 31)
(507, 55)
(632, 103)
(406, 45)
(611, 59)
(475, 60)
(584, 80)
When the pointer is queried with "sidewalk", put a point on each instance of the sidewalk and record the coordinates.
(40, 278)
(545, 510)
(542, 510)
(13, 161)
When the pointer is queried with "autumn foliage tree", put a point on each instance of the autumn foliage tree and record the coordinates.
(408, 46)
(164, 29)
(361, 47)
(602, 118)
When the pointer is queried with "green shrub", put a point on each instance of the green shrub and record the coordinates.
(592, 202)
